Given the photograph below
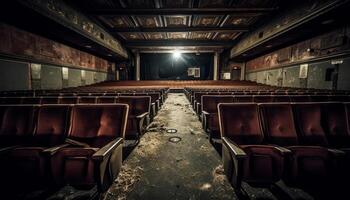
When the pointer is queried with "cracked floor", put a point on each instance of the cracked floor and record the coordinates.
(188, 169)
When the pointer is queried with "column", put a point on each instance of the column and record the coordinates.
(137, 65)
(243, 67)
(117, 74)
(216, 65)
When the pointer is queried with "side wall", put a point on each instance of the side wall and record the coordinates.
(29, 61)
(325, 59)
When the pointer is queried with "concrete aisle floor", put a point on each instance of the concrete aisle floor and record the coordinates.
(188, 169)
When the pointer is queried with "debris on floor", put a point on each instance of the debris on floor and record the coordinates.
(125, 183)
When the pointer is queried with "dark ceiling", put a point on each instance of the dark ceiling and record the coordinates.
(207, 24)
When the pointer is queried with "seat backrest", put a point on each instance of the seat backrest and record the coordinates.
(18, 120)
(210, 102)
(319, 98)
(137, 104)
(240, 122)
(340, 98)
(335, 124)
(52, 124)
(299, 98)
(262, 98)
(68, 100)
(309, 125)
(281, 98)
(278, 123)
(49, 100)
(244, 98)
(154, 96)
(11, 100)
(105, 99)
(31, 100)
(87, 100)
(98, 124)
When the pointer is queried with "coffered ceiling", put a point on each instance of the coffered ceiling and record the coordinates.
(143, 23)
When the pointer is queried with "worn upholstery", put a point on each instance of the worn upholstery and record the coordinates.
(240, 123)
(94, 126)
(308, 122)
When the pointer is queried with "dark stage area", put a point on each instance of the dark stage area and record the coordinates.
(166, 66)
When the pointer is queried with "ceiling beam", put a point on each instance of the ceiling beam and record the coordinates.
(183, 29)
(179, 43)
(183, 11)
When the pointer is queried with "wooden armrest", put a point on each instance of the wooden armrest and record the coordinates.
(54, 149)
(107, 149)
(76, 143)
(5, 149)
(205, 112)
(283, 150)
(336, 152)
(233, 148)
(142, 115)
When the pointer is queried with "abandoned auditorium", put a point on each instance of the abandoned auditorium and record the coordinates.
(174, 100)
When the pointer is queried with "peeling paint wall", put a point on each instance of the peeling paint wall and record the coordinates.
(317, 52)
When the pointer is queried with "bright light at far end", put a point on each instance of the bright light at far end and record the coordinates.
(176, 54)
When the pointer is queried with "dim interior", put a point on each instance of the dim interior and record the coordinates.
(190, 99)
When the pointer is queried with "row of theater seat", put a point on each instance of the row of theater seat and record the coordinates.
(207, 108)
(304, 144)
(140, 108)
(197, 97)
(48, 146)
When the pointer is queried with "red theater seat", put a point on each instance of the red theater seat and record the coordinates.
(26, 166)
(210, 116)
(244, 156)
(306, 164)
(17, 124)
(96, 135)
(139, 108)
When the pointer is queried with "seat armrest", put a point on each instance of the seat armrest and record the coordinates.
(107, 149)
(143, 115)
(205, 112)
(5, 149)
(233, 148)
(282, 150)
(76, 143)
(53, 150)
(336, 152)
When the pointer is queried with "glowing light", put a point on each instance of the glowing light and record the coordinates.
(176, 54)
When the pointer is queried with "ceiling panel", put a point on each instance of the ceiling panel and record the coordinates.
(117, 21)
(200, 35)
(177, 20)
(214, 3)
(225, 35)
(155, 36)
(254, 3)
(176, 3)
(149, 21)
(207, 20)
(239, 20)
(132, 36)
(177, 35)
(140, 3)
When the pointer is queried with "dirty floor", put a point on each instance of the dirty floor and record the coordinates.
(181, 165)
